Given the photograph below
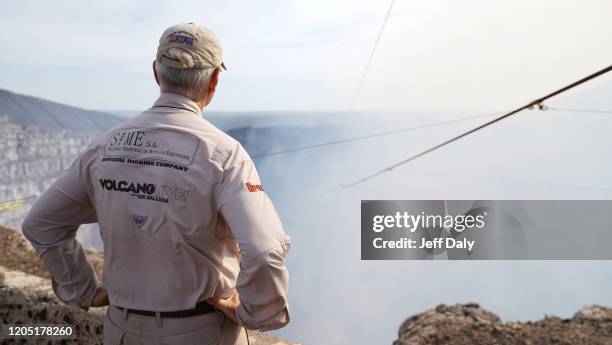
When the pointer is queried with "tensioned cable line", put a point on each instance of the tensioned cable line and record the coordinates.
(496, 180)
(19, 199)
(364, 73)
(402, 130)
(595, 111)
(538, 102)
(370, 58)
(368, 136)
(10, 205)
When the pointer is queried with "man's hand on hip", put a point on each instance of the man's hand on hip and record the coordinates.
(100, 299)
(227, 305)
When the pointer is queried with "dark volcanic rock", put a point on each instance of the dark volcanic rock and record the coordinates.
(468, 324)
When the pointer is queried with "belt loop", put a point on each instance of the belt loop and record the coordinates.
(125, 313)
(158, 319)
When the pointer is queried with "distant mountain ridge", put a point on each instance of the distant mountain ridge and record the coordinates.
(33, 111)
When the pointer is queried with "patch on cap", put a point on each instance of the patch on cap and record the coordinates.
(181, 37)
(189, 46)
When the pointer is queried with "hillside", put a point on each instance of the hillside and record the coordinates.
(32, 111)
(26, 295)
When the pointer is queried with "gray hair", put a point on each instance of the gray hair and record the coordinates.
(191, 83)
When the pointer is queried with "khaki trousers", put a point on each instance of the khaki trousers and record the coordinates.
(124, 328)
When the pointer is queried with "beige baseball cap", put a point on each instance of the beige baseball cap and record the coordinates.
(189, 46)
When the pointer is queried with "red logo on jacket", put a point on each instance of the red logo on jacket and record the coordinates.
(254, 187)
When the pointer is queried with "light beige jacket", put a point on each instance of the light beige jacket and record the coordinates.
(182, 215)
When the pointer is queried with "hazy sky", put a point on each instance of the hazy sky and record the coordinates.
(444, 55)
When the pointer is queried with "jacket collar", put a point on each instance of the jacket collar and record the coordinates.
(172, 100)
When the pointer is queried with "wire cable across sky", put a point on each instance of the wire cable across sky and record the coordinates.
(370, 58)
(369, 136)
(536, 103)
(574, 110)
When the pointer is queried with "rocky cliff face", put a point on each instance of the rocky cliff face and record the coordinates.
(26, 295)
(32, 159)
(39, 139)
(468, 324)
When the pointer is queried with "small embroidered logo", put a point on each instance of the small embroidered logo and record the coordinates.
(180, 37)
(139, 220)
(254, 187)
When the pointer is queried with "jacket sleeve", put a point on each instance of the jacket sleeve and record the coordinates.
(51, 227)
(263, 279)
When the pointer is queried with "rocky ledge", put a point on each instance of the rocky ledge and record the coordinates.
(469, 324)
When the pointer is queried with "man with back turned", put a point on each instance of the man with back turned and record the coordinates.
(193, 248)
